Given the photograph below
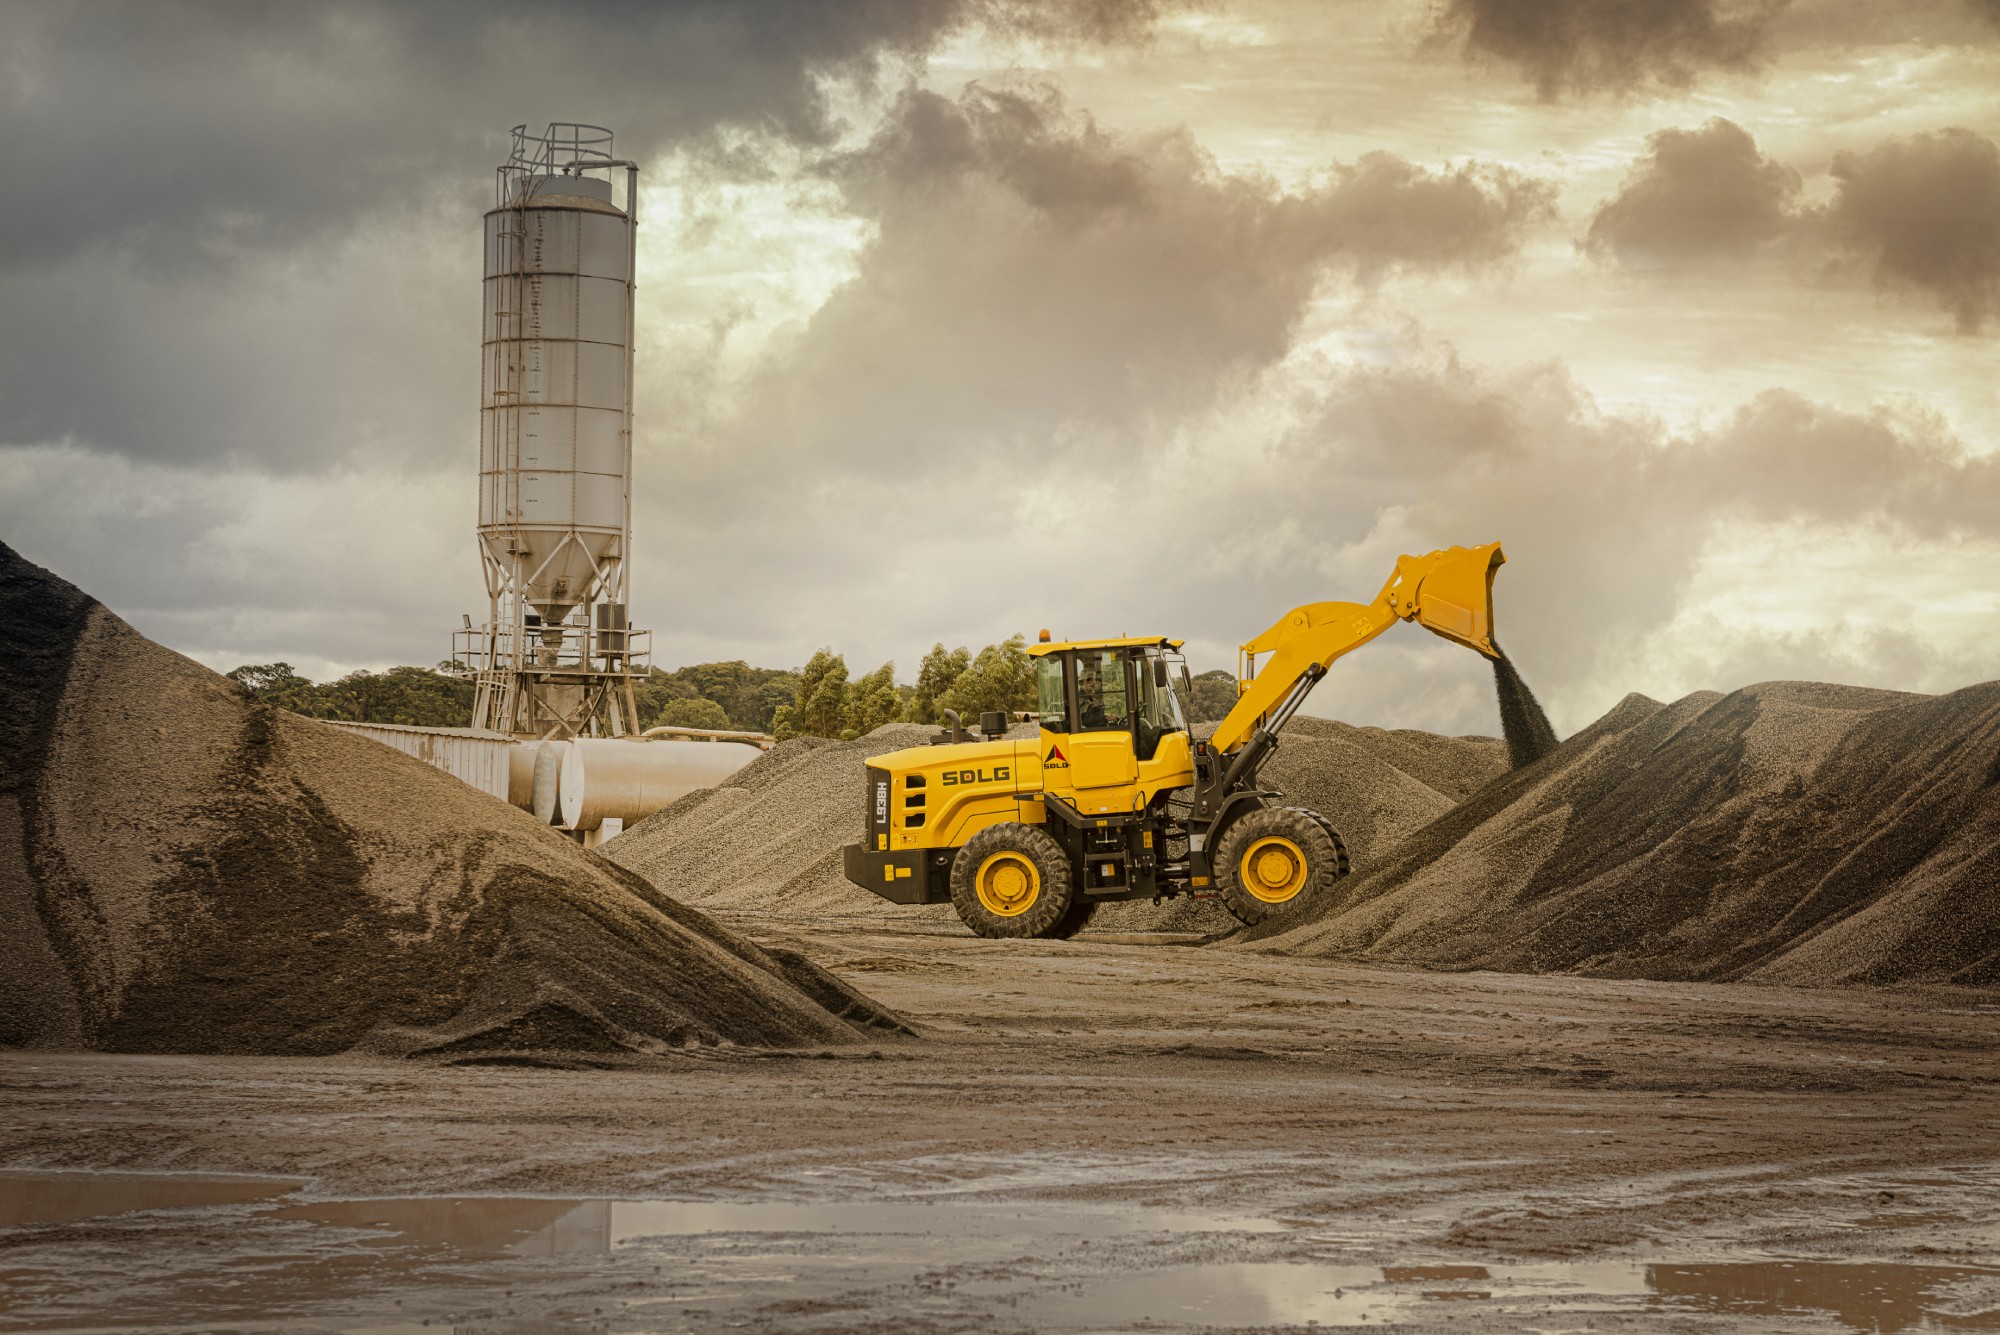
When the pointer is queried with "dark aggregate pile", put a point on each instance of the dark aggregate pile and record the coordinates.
(185, 869)
(1789, 832)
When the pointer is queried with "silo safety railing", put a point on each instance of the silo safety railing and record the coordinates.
(565, 148)
(558, 649)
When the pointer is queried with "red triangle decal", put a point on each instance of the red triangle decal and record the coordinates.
(1055, 756)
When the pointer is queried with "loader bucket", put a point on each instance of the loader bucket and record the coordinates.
(1455, 596)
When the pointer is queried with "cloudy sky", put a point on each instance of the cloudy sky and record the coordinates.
(961, 317)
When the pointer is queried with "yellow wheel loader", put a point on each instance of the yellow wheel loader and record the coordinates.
(1115, 799)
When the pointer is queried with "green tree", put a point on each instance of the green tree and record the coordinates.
(694, 713)
(819, 703)
(414, 696)
(871, 701)
(1214, 696)
(278, 684)
(1002, 677)
(940, 668)
(772, 694)
(257, 678)
(729, 684)
(655, 693)
(750, 696)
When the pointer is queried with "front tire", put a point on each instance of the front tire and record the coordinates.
(1274, 858)
(1012, 881)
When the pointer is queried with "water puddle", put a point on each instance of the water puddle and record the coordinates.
(61, 1198)
(213, 1250)
(1861, 1295)
(1234, 1295)
(1857, 1296)
(540, 1226)
(532, 1227)
(476, 1225)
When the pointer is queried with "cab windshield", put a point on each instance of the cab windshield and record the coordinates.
(1102, 702)
(1116, 690)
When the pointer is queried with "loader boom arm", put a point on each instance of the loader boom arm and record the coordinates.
(1448, 592)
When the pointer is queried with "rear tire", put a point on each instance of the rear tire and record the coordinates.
(1276, 858)
(1012, 881)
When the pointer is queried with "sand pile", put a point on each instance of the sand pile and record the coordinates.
(184, 869)
(769, 843)
(1788, 832)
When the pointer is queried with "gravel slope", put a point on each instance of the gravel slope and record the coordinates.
(186, 869)
(1789, 832)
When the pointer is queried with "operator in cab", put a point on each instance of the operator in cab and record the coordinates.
(1095, 707)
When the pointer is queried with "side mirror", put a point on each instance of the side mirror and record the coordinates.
(1160, 672)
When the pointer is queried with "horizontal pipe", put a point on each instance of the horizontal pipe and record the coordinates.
(712, 734)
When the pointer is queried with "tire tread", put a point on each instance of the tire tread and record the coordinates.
(1326, 859)
(1046, 916)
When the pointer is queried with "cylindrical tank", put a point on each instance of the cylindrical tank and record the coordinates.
(545, 788)
(603, 778)
(521, 775)
(554, 442)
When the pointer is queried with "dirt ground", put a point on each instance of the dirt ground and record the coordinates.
(1100, 1135)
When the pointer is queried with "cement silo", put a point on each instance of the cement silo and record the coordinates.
(557, 658)
(556, 661)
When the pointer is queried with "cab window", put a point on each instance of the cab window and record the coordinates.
(1159, 709)
(1051, 702)
(1102, 701)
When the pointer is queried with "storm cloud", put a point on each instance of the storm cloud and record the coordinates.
(183, 131)
(1697, 195)
(1607, 517)
(963, 316)
(1925, 212)
(1031, 275)
(239, 203)
(1569, 47)
(1920, 215)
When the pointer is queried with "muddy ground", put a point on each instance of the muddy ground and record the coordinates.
(1093, 1135)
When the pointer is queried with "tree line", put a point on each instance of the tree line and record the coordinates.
(1000, 677)
(727, 696)
(819, 700)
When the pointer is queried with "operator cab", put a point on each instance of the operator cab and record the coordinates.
(1133, 686)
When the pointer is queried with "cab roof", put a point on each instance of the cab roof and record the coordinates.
(1119, 642)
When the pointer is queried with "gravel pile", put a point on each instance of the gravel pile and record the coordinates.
(1789, 832)
(769, 843)
(1378, 786)
(185, 869)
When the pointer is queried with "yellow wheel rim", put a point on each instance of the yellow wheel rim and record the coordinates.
(1008, 883)
(1274, 869)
